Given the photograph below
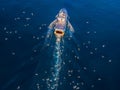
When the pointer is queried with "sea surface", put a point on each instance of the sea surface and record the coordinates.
(90, 59)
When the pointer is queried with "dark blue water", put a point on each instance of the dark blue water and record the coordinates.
(25, 64)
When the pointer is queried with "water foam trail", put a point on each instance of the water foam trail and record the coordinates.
(54, 80)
